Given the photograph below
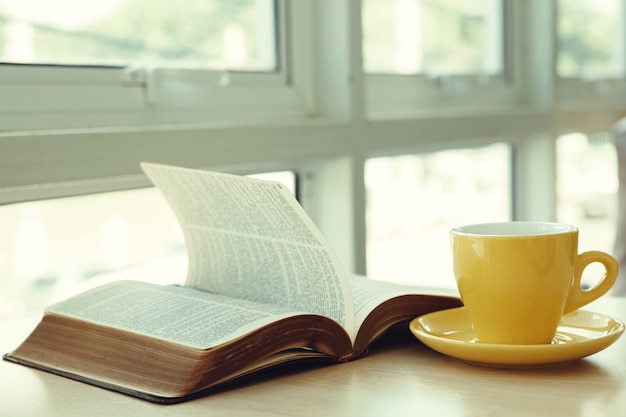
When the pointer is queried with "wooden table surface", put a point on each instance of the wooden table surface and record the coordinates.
(400, 378)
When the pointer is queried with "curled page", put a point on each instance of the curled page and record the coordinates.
(251, 239)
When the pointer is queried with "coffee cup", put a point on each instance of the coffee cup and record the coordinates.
(517, 279)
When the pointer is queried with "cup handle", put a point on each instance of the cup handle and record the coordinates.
(577, 296)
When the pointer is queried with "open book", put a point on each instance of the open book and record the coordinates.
(264, 288)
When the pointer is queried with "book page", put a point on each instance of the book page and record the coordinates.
(251, 239)
(369, 294)
(178, 314)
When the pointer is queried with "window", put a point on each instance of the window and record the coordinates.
(432, 38)
(591, 54)
(52, 248)
(587, 187)
(425, 55)
(414, 200)
(142, 62)
(590, 45)
(401, 120)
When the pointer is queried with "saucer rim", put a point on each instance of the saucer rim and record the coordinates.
(515, 355)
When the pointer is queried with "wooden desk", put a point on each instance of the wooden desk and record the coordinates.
(402, 379)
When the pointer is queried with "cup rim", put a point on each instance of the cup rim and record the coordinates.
(513, 229)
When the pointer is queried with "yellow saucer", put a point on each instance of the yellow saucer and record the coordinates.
(580, 333)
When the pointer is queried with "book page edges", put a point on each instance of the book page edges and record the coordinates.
(164, 372)
(402, 308)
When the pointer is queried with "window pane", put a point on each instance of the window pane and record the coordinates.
(587, 186)
(432, 37)
(591, 39)
(216, 34)
(52, 249)
(414, 200)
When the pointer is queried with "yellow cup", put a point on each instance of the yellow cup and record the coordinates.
(517, 279)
